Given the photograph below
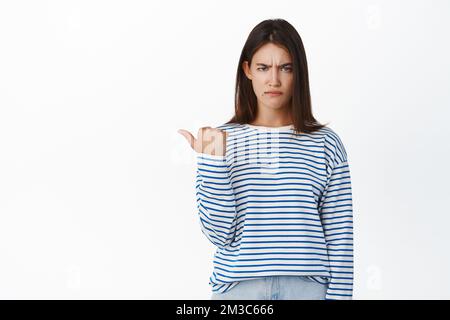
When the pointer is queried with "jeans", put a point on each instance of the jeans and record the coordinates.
(275, 288)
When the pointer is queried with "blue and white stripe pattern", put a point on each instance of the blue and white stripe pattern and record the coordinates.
(278, 203)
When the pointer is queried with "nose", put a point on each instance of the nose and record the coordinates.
(275, 79)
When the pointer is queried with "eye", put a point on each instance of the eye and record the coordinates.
(289, 69)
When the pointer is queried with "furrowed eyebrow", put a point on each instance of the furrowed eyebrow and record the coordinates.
(266, 65)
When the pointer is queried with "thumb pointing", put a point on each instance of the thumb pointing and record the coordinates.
(189, 137)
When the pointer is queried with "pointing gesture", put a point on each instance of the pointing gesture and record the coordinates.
(209, 140)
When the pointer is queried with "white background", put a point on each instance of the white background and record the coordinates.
(97, 196)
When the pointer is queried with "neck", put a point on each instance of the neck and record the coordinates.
(272, 119)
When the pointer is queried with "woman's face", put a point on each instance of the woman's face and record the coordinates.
(271, 70)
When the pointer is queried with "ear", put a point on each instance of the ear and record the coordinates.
(246, 69)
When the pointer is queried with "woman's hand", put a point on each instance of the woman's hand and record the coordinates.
(209, 140)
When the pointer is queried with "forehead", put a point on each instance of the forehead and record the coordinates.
(271, 52)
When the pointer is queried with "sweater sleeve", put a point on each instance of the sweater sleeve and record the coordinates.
(215, 199)
(336, 214)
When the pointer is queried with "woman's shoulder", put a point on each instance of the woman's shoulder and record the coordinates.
(333, 144)
(230, 126)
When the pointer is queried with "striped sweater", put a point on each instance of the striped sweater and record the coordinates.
(278, 203)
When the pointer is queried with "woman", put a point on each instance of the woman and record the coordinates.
(273, 185)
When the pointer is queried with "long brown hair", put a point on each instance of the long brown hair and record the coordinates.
(281, 33)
